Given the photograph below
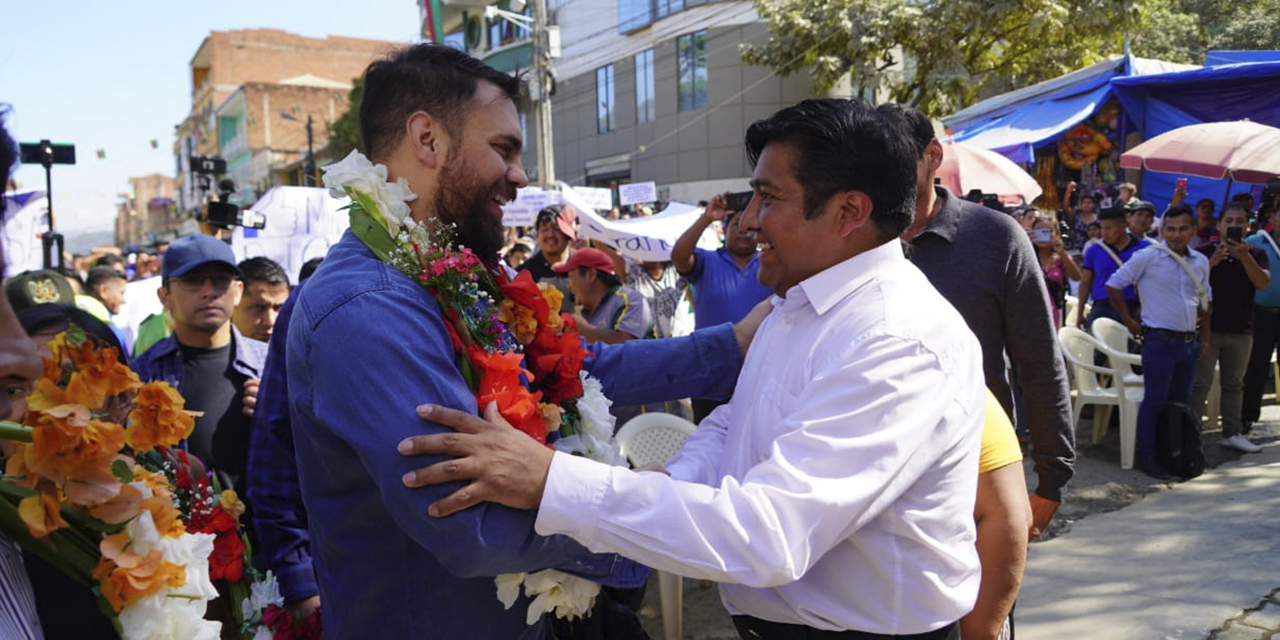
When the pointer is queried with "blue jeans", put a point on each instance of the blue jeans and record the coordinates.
(1169, 368)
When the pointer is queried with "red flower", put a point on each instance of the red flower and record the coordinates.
(524, 292)
(227, 560)
(500, 382)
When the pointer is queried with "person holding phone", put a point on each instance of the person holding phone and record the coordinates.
(1237, 271)
(1057, 264)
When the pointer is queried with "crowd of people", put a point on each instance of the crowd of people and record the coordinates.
(859, 356)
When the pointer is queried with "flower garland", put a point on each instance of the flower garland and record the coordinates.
(147, 526)
(505, 332)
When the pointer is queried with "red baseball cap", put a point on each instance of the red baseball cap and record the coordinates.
(589, 258)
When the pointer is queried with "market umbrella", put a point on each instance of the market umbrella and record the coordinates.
(965, 168)
(1243, 151)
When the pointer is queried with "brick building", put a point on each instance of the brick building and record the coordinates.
(148, 212)
(241, 84)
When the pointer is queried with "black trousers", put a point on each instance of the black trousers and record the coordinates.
(751, 628)
(1266, 338)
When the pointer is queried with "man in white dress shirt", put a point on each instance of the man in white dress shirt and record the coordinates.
(833, 497)
(1174, 326)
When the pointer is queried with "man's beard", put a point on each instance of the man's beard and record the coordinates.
(464, 202)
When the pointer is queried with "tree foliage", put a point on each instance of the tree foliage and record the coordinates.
(1185, 30)
(344, 133)
(937, 55)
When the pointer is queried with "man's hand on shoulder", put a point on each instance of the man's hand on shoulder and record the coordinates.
(745, 329)
(503, 464)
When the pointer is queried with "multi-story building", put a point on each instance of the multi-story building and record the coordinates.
(149, 212)
(645, 89)
(251, 93)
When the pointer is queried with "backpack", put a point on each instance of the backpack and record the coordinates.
(1178, 441)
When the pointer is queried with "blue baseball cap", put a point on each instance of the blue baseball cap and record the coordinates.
(187, 253)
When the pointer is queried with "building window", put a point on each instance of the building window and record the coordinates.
(664, 8)
(604, 99)
(646, 107)
(691, 59)
(636, 14)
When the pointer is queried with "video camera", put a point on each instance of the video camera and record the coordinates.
(218, 209)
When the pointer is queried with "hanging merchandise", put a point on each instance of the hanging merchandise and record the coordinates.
(1045, 171)
(1080, 145)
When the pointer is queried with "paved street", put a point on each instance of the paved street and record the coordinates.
(1130, 558)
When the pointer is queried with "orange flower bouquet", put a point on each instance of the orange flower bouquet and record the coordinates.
(73, 494)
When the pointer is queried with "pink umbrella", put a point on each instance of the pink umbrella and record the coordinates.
(965, 168)
(1247, 151)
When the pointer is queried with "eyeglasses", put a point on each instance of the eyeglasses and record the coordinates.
(195, 281)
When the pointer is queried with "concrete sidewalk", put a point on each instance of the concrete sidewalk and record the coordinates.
(1192, 562)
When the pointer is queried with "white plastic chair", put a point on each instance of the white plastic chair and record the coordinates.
(1114, 339)
(645, 439)
(1078, 348)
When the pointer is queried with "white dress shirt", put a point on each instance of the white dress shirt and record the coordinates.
(1168, 295)
(836, 490)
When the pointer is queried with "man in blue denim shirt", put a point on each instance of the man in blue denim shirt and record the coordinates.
(205, 358)
(367, 344)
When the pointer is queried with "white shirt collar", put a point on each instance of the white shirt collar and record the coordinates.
(831, 285)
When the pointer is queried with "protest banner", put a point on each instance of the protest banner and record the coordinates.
(25, 219)
(637, 193)
(302, 223)
(641, 239)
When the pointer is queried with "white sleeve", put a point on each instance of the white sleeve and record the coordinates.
(699, 459)
(863, 433)
(1129, 272)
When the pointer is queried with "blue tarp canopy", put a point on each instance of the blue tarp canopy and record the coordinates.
(1163, 102)
(1014, 123)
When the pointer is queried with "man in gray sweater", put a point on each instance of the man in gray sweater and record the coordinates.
(982, 262)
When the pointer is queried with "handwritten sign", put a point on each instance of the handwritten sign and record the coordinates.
(641, 239)
(302, 223)
(638, 192)
(25, 218)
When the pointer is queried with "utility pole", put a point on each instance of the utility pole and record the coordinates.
(310, 180)
(542, 84)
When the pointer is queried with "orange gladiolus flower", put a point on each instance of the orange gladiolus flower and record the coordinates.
(158, 418)
(122, 508)
(96, 375)
(553, 299)
(126, 578)
(16, 467)
(524, 292)
(67, 443)
(42, 513)
(500, 382)
(519, 319)
(231, 503)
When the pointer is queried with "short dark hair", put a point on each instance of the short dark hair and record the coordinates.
(8, 150)
(609, 279)
(547, 214)
(264, 270)
(1242, 195)
(1112, 213)
(1232, 206)
(519, 246)
(99, 276)
(1208, 201)
(109, 260)
(309, 267)
(1179, 210)
(845, 145)
(437, 79)
(913, 121)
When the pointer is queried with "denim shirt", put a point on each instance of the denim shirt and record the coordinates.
(163, 361)
(366, 346)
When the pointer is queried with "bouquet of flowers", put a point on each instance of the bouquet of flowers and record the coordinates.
(506, 332)
(92, 486)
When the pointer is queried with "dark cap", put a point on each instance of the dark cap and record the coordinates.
(589, 258)
(44, 286)
(1136, 204)
(564, 217)
(187, 253)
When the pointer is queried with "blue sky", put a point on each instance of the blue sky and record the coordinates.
(114, 76)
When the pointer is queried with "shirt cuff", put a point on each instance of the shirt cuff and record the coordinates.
(572, 498)
(297, 581)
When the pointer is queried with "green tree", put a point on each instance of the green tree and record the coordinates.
(1185, 30)
(937, 55)
(344, 133)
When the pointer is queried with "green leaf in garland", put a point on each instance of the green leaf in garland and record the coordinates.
(370, 226)
(120, 469)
